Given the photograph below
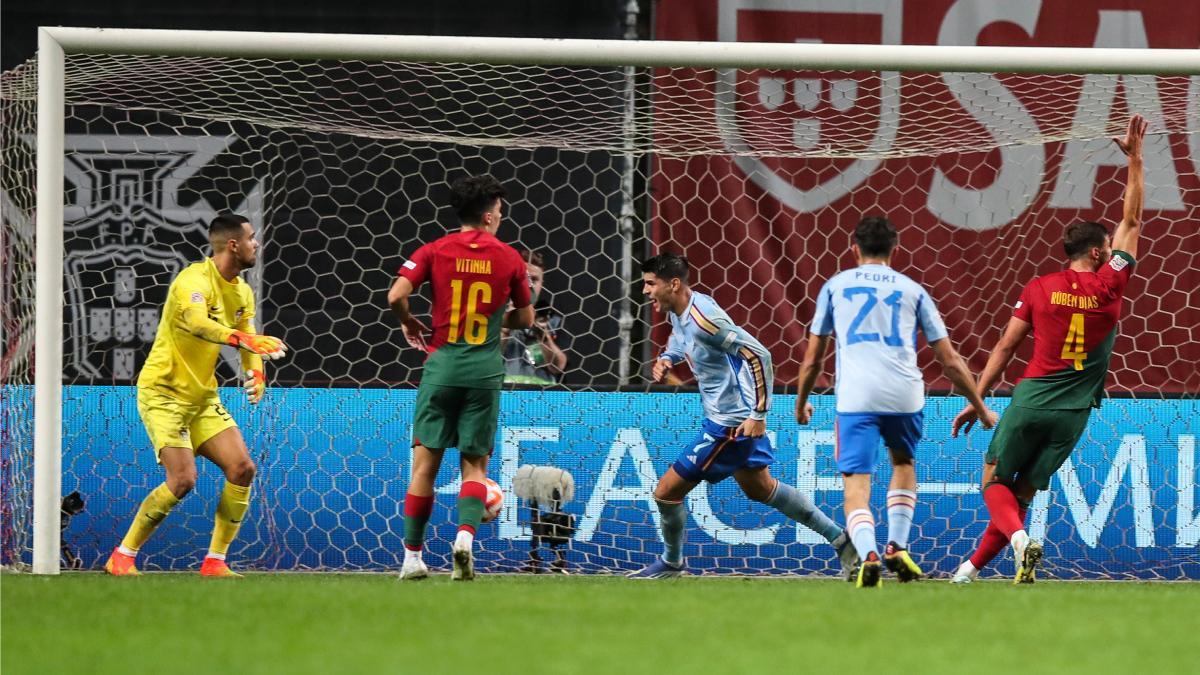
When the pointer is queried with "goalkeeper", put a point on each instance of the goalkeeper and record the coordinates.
(208, 305)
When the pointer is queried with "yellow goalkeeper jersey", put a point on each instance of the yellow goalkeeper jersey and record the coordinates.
(201, 312)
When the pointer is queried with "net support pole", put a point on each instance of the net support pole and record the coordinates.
(628, 132)
(48, 336)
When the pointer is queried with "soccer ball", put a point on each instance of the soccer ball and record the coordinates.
(494, 502)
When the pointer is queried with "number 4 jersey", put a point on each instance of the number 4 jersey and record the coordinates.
(474, 276)
(875, 312)
(1074, 317)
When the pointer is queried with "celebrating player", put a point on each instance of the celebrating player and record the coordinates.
(875, 311)
(1073, 315)
(733, 371)
(208, 305)
(474, 276)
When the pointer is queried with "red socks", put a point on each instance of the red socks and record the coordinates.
(993, 540)
(471, 499)
(1003, 507)
(990, 545)
(416, 515)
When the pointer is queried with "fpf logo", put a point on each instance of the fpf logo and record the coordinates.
(127, 236)
(758, 108)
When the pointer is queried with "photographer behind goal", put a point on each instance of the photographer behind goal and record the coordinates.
(536, 355)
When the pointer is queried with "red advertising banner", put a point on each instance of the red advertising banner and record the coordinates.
(980, 173)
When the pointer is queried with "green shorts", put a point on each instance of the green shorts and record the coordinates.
(456, 417)
(1033, 443)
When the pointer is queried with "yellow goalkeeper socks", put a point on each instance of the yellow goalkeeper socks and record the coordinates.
(154, 508)
(235, 501)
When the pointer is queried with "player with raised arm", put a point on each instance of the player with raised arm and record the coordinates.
(473, 276)
(208, 305)
(733, 371)
(875, 312)
(1073, 315)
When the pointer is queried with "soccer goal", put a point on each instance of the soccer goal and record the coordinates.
(753, 159)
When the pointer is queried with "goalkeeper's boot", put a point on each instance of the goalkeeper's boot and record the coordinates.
(464, 563)
(659, 569)
(1028, 556)
(216, 567)
(121, 565)
(900, 563)
(965, 574)
(413, 568)
(870, 574)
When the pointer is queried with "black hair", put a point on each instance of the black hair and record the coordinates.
(1082, 236)
(473, 196)
(667, 266)
(226, 226)
(875, 236)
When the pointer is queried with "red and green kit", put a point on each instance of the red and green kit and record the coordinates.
(473, 276)
(1074, 317)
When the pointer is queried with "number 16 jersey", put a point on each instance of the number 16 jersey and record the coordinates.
(473, 276)
(1074, 317)
(875, 312)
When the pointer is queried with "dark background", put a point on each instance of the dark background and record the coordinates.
(501, 18)
(343, 211)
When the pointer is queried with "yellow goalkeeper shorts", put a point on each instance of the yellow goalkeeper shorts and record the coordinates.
(172, 423)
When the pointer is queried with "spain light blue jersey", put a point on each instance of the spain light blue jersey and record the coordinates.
(874, 312)
(732, 368)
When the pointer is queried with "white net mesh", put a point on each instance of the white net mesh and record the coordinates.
(757, 176)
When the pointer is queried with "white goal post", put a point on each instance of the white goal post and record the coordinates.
(55, 43)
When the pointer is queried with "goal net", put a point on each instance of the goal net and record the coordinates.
(756, 175)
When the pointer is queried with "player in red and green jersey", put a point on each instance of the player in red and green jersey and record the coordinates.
(474, 277)
(1073, 315)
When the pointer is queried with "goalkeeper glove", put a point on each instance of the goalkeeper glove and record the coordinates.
(256, 385)
(263, 345)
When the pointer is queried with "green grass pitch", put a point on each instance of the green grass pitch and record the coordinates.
(330, 623)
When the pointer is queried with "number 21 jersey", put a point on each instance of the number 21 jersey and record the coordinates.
(875, 312)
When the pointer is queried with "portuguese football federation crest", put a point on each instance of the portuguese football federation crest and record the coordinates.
(126, 236)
